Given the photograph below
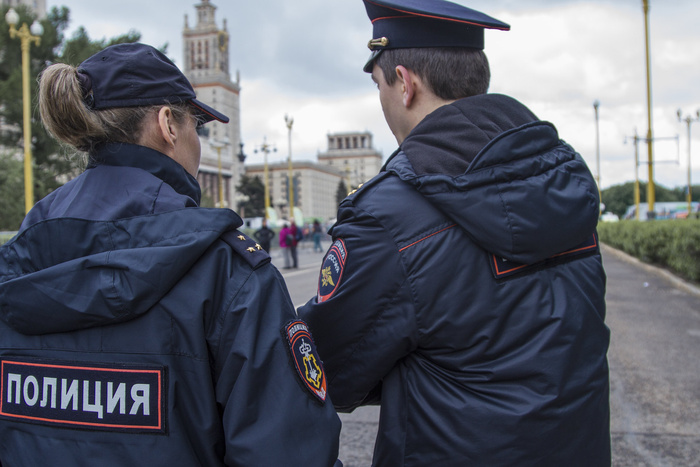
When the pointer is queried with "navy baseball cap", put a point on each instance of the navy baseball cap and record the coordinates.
(134, 74)
(404, 24)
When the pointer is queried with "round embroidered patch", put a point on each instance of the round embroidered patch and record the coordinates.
(306, 359)
(332, 270)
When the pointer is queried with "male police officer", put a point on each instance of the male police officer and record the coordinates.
(464, 289)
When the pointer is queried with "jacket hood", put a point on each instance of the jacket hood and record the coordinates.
(523, 194)
(67, 274)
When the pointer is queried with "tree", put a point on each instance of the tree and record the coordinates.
(618, 197)
(80, 47)
(11, 104)
(53, 165)
(206, 201)
(342, 192)
(11, 183)
(681, 193)
(254, 189)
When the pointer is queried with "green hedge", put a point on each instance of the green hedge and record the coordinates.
(674, 244)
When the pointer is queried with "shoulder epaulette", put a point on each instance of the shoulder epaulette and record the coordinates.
(246, 247)
(363, 187)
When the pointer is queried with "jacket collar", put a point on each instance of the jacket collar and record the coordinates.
(150, 160)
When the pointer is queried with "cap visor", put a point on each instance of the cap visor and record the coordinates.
(208, 113)
(369, 66)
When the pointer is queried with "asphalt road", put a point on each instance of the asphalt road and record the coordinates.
(654, 361)
(654, 365)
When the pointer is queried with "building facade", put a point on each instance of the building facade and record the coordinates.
(206, 64)
(353, 155)
(315, 188)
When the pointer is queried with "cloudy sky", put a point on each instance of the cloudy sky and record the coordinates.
(304, 58)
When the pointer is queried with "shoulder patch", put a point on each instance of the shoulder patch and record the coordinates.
(127, 398)
(249, 249)
(502, 268)
(332, 270)
(306, 360)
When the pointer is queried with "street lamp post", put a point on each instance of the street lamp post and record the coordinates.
(219, 145)
(636, 174)
(241, 154)
(26, 36)
(290, 121)
(596, 104)
(688, 120)
(241, 198)
(651, 197)
(265, 149)
(637, 194)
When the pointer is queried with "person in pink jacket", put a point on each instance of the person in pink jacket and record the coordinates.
(287, 241)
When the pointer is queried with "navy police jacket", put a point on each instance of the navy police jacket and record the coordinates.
(138, 329)
(464, 292)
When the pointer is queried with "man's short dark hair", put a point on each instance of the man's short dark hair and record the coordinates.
(451, 72)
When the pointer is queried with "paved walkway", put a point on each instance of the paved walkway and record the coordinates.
(654, 364)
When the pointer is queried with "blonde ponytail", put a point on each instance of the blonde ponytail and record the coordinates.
(63, 111)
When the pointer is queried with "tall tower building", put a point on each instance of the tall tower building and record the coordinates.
(206, 64)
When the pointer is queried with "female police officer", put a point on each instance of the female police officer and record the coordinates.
(137, 328)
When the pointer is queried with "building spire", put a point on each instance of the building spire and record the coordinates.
(206, 14)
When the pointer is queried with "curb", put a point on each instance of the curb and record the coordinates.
(677, 281)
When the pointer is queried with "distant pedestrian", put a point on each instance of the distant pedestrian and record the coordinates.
(264, 236)
(286, 242)
(317, 231)
(297, 236)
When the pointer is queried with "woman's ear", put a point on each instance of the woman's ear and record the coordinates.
(166, 126)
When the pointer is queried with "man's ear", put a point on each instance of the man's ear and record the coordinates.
(168, 131)
(408, 87)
